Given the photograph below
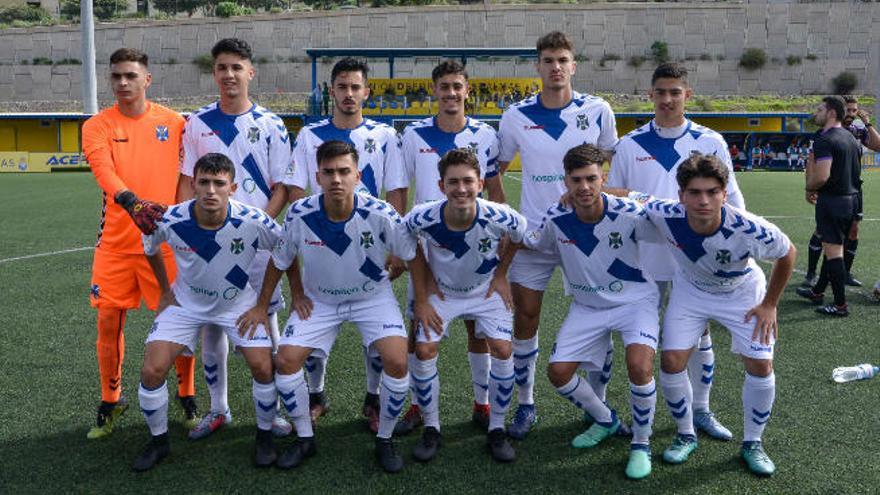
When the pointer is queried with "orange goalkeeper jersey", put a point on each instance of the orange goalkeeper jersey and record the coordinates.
(140, 154)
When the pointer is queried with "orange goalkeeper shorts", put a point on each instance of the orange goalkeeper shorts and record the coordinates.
(122, 280)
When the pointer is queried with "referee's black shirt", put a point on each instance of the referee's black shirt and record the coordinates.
(845, 152)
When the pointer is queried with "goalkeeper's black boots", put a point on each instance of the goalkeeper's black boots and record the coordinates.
(153, 453)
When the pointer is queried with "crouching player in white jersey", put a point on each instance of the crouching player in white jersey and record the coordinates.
(214, 240)
(597, 243)
(718, 279)
(343, 239)
(461, 236)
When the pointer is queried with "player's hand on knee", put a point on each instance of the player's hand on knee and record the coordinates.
(427, 318)
(303, 306)
(766, 328)
(145, 214)
(394, 266)
(501, 286)
(811, 197)
(251, 319)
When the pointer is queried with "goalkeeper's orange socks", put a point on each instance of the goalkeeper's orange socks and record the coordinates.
(185, 367)
(111, 350)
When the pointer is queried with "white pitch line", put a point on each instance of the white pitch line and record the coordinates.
(51, 253)
(513, 177)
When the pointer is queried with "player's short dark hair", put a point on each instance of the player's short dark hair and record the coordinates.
(129, 55)
(836, 103)
(234, 46)
(349, 64)
(704, 166)
(582, 156)
(332, 149)
(670, 70)
(460, 156)
(554, 40)
(447, 67)
(214, 163)
(850, 99)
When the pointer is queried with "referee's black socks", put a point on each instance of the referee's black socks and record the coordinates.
(837, 277)
(850, 246)
(813, 253)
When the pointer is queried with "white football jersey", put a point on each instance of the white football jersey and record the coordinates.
(720, 262)
(600, 260)
(212, 265)
(463, 262)
(378, 147)
(256, 141)
(343, 261)
(542, 137)
(647, 162)
(424, 143)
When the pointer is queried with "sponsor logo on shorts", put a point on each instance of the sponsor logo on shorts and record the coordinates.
(760, 348)
(387, 326)
(548, 178)
(368, 286)
(614, 287)
(506, 331)
(154, 327)
(553, 350)
(259, 337)
(288, 331)
(648, 336)
(462, 290)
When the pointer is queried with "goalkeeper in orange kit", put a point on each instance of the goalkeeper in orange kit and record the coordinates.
(133, 149)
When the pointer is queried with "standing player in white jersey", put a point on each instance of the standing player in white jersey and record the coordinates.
(542, 128)
(597, 242)
(381, 168)
(257, 142)
(716, 245)
(424, 143)
(647, 160)
(461, 236)
(343, 238)
(215, 240)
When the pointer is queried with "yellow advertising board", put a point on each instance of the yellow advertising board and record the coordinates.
(22, 161)
(14, 161)
(479, 87)
(47, 161)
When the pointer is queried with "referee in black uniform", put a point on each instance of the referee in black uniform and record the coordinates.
(833, 177)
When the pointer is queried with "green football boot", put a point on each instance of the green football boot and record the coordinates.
(639, 465)
(682, 446)
(596, 433)
(757, 460)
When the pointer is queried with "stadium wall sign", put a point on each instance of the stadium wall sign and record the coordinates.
(21, 161)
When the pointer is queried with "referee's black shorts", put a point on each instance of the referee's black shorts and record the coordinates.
(834, 216)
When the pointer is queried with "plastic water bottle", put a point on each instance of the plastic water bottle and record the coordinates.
(851, 373)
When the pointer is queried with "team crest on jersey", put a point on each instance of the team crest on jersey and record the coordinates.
(582, 122)
(237, 246)
(615, 240)
(472, 147)
(367, 239)
(95, 291)
(370, 145)
(485, 245)
(254, 134)
(722, 256)
(162, 133)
